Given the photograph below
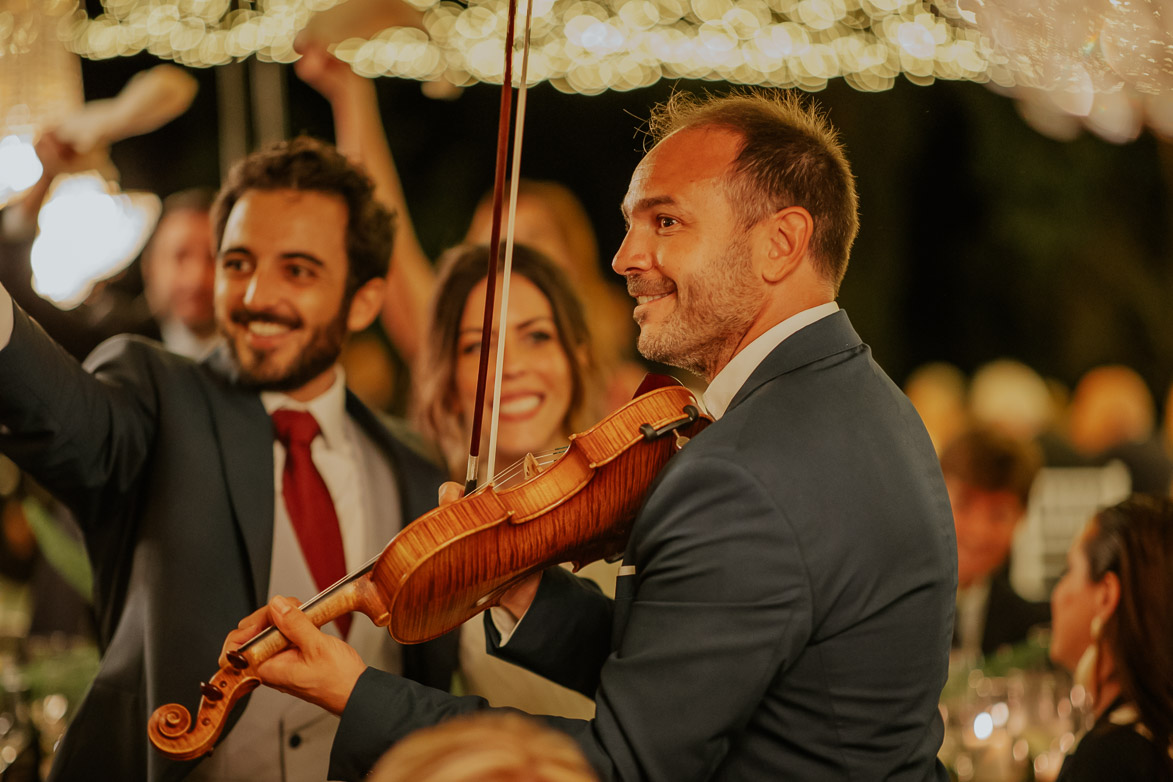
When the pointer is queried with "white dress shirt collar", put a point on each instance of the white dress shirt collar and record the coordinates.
(733, 376)
(329, 408)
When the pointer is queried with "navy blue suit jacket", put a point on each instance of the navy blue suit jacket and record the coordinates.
(168, 467)
(787, 607)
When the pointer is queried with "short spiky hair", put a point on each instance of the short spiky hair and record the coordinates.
(790, 156)
(307, 164)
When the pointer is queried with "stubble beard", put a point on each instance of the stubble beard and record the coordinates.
(254, 370)
(710, 318)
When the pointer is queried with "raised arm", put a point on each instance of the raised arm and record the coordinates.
(359, 134)
(83, 437)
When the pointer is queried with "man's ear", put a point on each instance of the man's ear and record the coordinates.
(788, 236)
(366, 304)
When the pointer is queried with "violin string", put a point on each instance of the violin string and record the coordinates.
(518, 467)
(544, 458)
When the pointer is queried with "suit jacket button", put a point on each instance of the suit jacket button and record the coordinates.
(295, 741)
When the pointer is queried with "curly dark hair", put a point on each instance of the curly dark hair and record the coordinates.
(308, 164)
(790, 156)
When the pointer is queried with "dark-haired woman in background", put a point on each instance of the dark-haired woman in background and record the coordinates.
(1113, 627)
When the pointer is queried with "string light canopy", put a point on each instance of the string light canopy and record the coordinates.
(1070, 49)
(584, 46)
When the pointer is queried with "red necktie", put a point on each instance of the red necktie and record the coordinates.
(308, 502)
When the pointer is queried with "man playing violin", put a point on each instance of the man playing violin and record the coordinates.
(786, 600)
(190, 505)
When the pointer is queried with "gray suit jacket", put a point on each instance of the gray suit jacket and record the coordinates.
(788, 605)
(168, 467)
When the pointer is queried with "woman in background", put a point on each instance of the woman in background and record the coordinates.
(547, 394)
(1113, 627)
(546, 387)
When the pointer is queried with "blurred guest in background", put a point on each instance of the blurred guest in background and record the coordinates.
(485, 747)
(989, 474)
(1013, 398)
(938, 393)
(1113, 416)
(547, 393)
(1010, 396)
(178, 268)
(1113, 627)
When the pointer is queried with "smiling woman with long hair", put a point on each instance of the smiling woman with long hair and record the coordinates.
(1113, 627)
(547, 393)
(547, 387)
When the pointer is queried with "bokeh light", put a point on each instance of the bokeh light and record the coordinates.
(1101, 62)
(87, 231)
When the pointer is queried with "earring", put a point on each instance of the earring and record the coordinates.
(1085, 669)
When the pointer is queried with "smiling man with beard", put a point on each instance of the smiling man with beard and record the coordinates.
(785, 604)
(191, 502)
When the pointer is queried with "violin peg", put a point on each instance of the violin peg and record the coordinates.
(211, 692)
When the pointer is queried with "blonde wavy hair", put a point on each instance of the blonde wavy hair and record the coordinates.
(485, 747)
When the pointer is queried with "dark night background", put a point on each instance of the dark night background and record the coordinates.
(980, 238)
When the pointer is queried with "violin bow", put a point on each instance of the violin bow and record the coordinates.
(514, 179)
(506, 106)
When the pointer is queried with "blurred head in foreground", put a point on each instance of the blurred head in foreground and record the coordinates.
(485, 747)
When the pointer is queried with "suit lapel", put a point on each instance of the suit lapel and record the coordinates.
(826, 337)
(244, 434)
(417, 485)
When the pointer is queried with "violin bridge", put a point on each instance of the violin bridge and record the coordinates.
(531, 467)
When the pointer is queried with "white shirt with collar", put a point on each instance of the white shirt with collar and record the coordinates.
(335, 457)
(733, 375)
(280, 738)
(716, 401)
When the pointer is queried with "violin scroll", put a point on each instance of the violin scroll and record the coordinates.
(170, 727)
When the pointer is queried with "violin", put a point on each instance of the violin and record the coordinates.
(459, 559)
